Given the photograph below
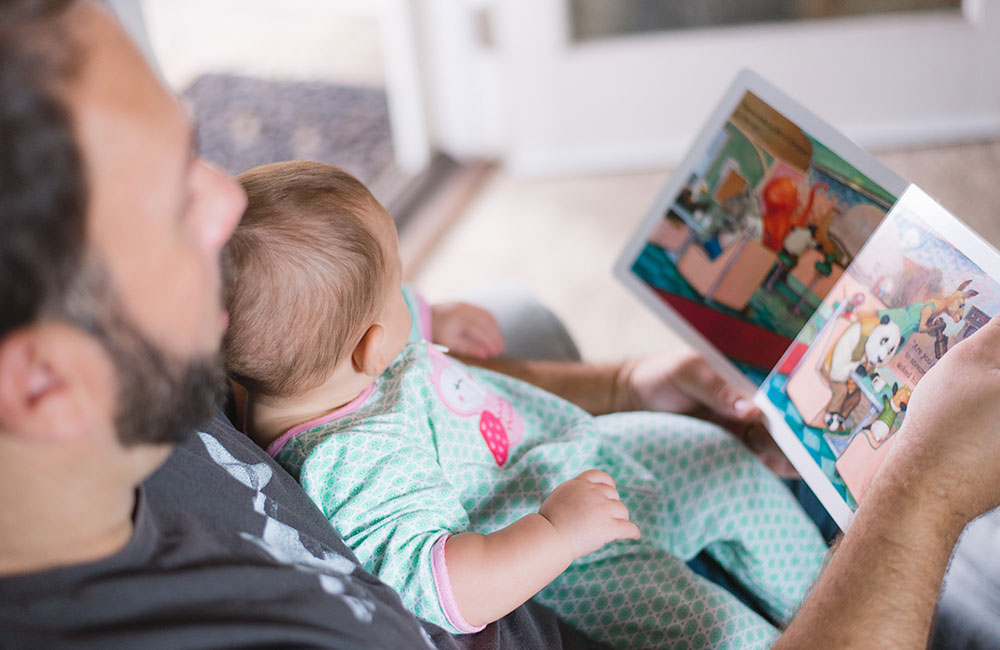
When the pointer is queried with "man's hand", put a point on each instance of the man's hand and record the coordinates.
(950, 440)
(466, 330)
(587, 513)
(688, 385)
(941, 472)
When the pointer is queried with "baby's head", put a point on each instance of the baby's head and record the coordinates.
(313, 286)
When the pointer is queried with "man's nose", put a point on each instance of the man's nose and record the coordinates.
(225, 202)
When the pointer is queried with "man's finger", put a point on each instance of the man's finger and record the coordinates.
(489, 342)
(707, 387)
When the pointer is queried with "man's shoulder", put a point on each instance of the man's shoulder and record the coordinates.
(228, 481)
(226, 552)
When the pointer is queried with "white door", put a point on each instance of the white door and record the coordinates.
(508, 78)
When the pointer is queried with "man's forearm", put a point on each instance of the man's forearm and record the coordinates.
(597, 388)
(882, 584)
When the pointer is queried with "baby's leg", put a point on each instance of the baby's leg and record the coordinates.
(715, 495)
(647, 598)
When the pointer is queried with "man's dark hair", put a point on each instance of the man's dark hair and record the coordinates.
(45, 270)
(43, 191)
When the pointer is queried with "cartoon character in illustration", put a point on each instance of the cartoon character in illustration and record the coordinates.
(499, 424)
(844, 400)
(892, 409)
(868, 343)
(934, 315)
(781, 212)
(952, 305)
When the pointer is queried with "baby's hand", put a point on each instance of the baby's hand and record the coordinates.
(587, 512)
(466, 329)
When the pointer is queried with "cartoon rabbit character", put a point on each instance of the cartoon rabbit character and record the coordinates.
(499, 424)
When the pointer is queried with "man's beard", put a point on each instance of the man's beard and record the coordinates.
(161, 397)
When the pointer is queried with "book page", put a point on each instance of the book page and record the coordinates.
(754, 229)
(921, 285)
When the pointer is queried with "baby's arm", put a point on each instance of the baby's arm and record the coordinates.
(491, 575)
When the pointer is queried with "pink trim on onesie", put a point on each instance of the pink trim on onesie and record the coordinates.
(350, 407)
(443, 585)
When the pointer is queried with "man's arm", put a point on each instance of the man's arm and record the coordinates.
(882, 583)
(672, 383)
(597, 388)
(881, 586)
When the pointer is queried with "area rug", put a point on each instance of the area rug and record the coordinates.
(243, 122)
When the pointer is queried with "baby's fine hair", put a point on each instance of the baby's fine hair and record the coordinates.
(305, 278)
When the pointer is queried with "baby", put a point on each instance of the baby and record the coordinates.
(468, 491)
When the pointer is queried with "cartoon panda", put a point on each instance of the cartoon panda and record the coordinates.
(866, 344)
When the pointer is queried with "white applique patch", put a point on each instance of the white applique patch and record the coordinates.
(281, 541)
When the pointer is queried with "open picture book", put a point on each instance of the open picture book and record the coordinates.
(812, 277)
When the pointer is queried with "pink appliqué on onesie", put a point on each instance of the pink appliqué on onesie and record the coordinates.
(499, 424)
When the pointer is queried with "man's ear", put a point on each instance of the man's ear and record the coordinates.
(51, 383)
(367, 355)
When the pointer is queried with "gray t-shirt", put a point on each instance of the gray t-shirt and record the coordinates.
(228, 552)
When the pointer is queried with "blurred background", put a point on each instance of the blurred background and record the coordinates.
(523, 142)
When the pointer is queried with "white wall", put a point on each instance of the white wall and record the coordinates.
(544, 105)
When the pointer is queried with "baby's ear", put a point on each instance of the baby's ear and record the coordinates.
(367, 355)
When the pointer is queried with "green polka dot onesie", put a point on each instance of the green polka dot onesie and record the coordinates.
(436, 448)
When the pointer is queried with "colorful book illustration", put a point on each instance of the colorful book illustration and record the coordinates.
(812, 277)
